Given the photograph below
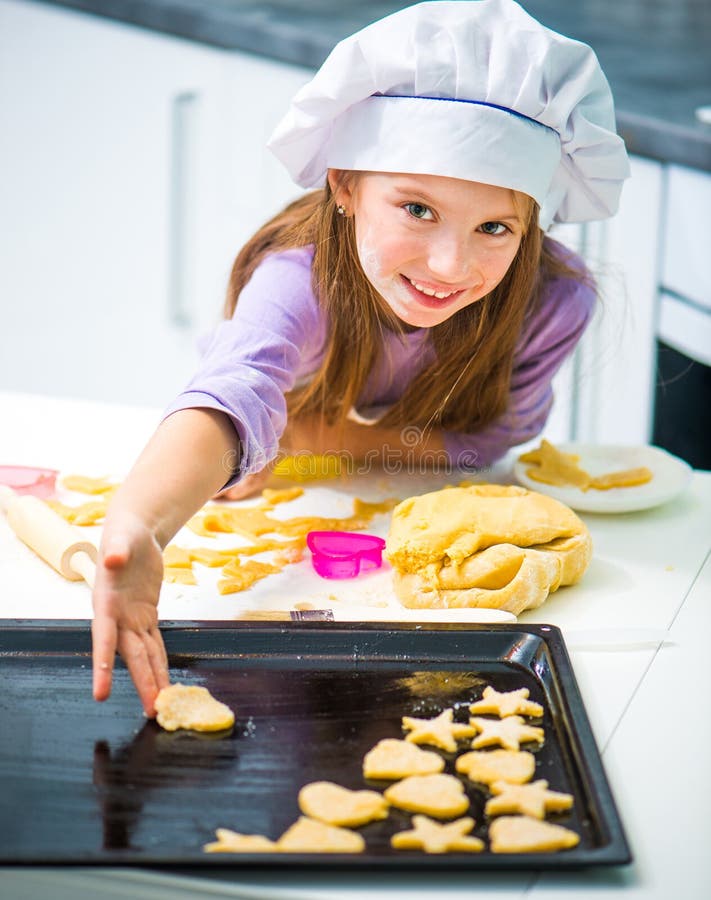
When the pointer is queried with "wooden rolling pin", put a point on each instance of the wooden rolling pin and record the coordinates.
(58, 543)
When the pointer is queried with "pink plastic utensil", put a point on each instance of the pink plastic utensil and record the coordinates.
(29, 480)
(343, 554)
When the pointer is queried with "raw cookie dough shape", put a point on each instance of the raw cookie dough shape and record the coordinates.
(522, 834)
(533, 800)
(233, 842)
(441, 796)
(508, 703)
(508, 733)
(442, 731)
(487, 766)
(192, 708)
(336, 805)
(309, 836)
(391, 758)
(486, 545)
(434, 837)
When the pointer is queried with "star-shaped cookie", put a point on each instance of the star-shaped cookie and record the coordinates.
(508, 703)
(530, 799)
(508, 733)
(441, 731)
(432, 837)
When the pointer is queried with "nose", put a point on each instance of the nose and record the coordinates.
(452, 259)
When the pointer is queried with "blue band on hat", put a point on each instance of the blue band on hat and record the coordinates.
(506, 109)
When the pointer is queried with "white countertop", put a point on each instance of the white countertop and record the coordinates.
(634, 628)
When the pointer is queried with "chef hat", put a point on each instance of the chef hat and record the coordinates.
(472, 89)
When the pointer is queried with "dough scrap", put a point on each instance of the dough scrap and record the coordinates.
(486, 545)
(552, 466)
(309, 836)
(233, 842)
(533, 800)
(508, 703)
(85, 484)
(391, 758)
(621, 479)
(178, 575)
(508, 733)
(434, 837)
(441, 796)
(522, 834)
(441, 731)
(336, 805)
(238, 576)
(192, 708)
(488, 766)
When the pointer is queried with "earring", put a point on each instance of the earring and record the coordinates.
(341, 210)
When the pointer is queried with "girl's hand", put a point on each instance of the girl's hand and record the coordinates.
(129, 573)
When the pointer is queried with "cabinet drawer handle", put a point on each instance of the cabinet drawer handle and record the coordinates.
(182, 208)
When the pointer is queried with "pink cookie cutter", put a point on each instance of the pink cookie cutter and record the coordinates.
(29, 480)
(343, 554)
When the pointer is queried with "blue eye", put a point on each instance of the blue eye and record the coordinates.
(418, 210)
(494, 228)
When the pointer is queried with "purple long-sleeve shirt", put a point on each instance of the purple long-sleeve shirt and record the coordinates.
(276, 340)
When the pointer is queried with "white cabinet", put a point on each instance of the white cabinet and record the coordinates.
(605, 393)
(131, 170)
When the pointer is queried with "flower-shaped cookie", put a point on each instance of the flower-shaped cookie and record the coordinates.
(530, 799)
(508, 733)
(433, 837)
(337, 805)
(191, 707)
(441, 796)
(441, 731)
(508, 703)
(391, 758)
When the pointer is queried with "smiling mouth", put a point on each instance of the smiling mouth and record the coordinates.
(430, 292)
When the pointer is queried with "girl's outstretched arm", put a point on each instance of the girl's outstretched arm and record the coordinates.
(191, 456)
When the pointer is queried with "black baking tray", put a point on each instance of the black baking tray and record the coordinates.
(89, 783)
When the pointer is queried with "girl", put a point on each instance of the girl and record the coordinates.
(414, 292)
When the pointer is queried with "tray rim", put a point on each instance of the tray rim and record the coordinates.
(614, 853)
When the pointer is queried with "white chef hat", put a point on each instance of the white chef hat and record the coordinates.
(472, 89)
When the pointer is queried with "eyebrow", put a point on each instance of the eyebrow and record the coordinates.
(419, 194)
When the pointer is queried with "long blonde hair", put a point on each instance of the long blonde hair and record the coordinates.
(467, 385)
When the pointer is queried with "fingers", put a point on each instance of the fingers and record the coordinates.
(103, 643)
(116, 553)
(145, 658)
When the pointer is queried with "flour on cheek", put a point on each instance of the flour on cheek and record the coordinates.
(384, 282)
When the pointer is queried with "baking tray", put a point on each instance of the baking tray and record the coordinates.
(89, 783)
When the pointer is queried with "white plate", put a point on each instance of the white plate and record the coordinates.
(671, 475)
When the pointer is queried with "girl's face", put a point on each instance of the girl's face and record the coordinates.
(430, 245)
